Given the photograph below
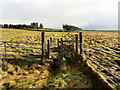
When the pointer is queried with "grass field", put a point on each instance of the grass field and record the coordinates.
(92, 38)
(104, 40)
(35, 74)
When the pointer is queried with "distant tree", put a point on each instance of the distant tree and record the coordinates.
(34, 25)
(41, 26)
(20, 26)
(29, 26)
(1, 26)
(10, 26)
(66, 27)
(5, 26)
(70, 28)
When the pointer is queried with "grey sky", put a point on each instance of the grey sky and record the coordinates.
(87, 14)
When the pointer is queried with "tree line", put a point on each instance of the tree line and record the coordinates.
(36, 25)
(70, 28)
(33, 25)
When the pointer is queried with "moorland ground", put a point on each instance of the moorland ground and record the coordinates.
(35, 74)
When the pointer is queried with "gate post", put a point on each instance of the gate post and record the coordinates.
(43, 42)
(48, 49)
(61, 48)
(58, 47)
(80, 38)
(50, 41)
(58, 43)
(76, 43)
(5, 49)
(73, 46)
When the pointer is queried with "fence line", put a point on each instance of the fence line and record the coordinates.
(104, 74)
(18, 42)
(5, 43)
(101, 50)
(82, 50)
(22, 47)
(18, 51)
(61, 47)
(102, 59)
(115, 77)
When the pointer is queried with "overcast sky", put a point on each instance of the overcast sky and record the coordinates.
(87, 14)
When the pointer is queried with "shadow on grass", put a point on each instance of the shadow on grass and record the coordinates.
(22, 62)
(94, 78)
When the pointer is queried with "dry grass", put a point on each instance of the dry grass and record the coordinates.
(33, 74)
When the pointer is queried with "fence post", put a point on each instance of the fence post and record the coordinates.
(61, 48)
(48, 49)
(76, 43)
(58, 43)
(50, 41)
(43, 45)
(5, 49)
(80, 37)
(58, 46)
(11, 43)
(73, 46)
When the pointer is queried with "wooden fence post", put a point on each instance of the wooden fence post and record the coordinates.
(50, 41)
(80, 37)
(73, 46)
(48, 48)
(5, 49)
(76, 44)
(58, 43)
(58, 46)
(61, 48)
(43, 42)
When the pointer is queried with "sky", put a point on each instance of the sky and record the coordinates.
(86, 14)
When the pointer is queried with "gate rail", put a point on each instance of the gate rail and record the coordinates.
(116, 77)
(111, 76)
(7, 44)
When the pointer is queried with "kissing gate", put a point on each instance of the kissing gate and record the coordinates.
(106, 68)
